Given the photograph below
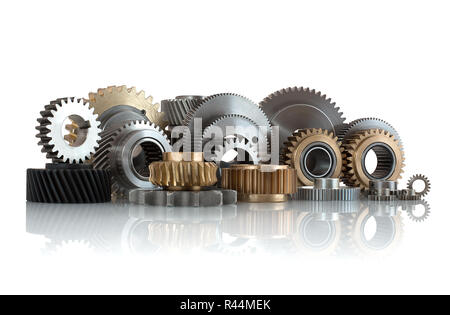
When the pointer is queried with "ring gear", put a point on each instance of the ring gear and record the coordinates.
(219, 105)
(425, 180)
(301, 108)
(68, 183)
(79, 144)
(260, 183)
(116, 150)
(177, 109)
(177, 173)
(390, 165)
(304, 141)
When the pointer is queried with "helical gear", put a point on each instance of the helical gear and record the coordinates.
(176, 109)
(389, 156)
(299, 151)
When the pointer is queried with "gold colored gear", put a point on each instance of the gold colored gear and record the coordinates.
(112, 96)
(300, 141)
(72, 136)
(260, 183)
(355, 148)
(183, 171)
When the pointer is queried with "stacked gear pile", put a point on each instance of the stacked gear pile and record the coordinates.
(117, 141)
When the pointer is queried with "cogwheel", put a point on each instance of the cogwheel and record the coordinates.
(358, 125)
(246, 152)
(127, 152)
(297, 108)
(177, 109)
(419, 218)
(112, 96)
(219, 105)
(79, 144)
(313, 153)
(425, 180)
(390, 159)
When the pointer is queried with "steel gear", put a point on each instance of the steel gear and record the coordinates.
(177, 109)
(79, 144)
(127, 152)
(217, 106)
(176, 172)
(410, 207)
(260, 183)
(382, 190)
(313, 153)
(327, 189)
(390, 159)
(297, 108)
(241, 147)
(112, 96)
(408, 194)
(426, 182)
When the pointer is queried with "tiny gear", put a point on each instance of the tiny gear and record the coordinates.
(327, 189)
(313, 153)
(297, 108)
(176, 172)
(128, 151)
(390, 159)
(68, 183)
(177, 109)
(112, 96)
(382, 190)
(260, 183)
(83, 137)
(411, 208)
(426, 182)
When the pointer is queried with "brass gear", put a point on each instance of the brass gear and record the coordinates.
(323, 149)
(390, 158)
(112, 96)
(183, 171)
(260, 183)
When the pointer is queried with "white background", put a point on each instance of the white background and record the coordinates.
(388, 59)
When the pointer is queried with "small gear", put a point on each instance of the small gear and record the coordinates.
(177, 109)
(313, 153)
(425, 180)
(408, 194)
(390, 159)
(82, 140)
(112, 96)
(128, 151)
(426, 213)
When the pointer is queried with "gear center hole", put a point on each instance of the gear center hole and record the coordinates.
(418, 186)
(143, 154)
(379, 162)
(75, 130)
(318, 162)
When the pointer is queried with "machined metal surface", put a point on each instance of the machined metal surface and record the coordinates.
(297, 108)
(204, 198)
(81, 141)
(408, 194)
(418, 178)
(128, 151)
(176, 109)
(117, 116)
(327, 189)
(313, 153)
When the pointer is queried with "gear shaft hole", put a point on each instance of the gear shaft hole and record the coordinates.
(378, 161)
(144, 153)
(75, 130)
(318, 162)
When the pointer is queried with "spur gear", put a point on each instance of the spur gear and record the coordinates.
(426, 182)
(390, 159)
(83, 137)
(219, 105)
(408, 194)
(128, 151)
(297, 108)
(245, 152)
(411, 209)
(313, 153)
(176, 109)
(327, 189)
(106, 98)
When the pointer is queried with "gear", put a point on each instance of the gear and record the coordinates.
(408, 194)
(112, 96)
(79, 144)
(176, 172)
(389, 153)
(260, 183)
(217, 106)
(327, 189)
(177, 109)
(411, 208)
(425, 180)
(127, 152)
(313, 153)
(68, 183)
(297, 108)
(250, 152)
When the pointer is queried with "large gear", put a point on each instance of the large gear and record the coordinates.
(313, 153)
(301, 108)
(79, 144)
(176, 172)
(127, 152)
(217, 106)
(426, 182)
(107, 98)
(390, 159)
(260, 183)
(176, 109)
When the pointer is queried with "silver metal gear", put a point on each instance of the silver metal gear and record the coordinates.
(382, 190)
(117, 116)
(238, 145)
(408, 194)
(410, 207)
(127, 152)
(327, 189)
(176, 109)
(219, 105)
(72, 148)
(301, 108)
(425, 180)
